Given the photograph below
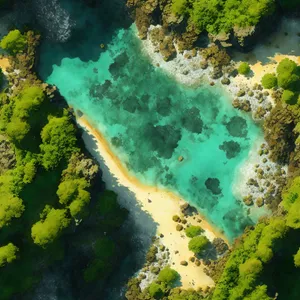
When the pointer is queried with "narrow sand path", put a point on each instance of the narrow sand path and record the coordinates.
(163, 205)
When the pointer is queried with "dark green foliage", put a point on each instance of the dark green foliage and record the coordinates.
(198, 244)
(101, 266)
(289, 97)
(109, 211)
(269, 81)
(193, 231)
(14, 42)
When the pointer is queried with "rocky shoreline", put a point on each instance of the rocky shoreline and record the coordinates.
(193, 69)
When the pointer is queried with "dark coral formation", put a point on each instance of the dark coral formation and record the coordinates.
(191, 120)
(237, 127)
(231, 148)
(163, 139)
(213, 184)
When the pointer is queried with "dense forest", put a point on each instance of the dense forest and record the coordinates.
(48, 186)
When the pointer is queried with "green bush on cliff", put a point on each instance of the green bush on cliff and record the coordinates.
(244, 68)
(269, 81)
(14, 42)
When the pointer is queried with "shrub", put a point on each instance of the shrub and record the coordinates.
(8, 254)
(193, 231)
(198, 243)
(168, 275)
(244, 68)
(269, 81)
(297, 259)
(48, 229)
(155, 291)
(289, 97)
(14, 42)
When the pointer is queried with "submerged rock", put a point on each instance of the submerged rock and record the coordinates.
(213, 184)
(231, 148)
(237, 127)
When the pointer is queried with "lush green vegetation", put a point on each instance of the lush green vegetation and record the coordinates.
(198, 244)
(193, 231)
(14, 42)
(221, 16)
(168, 276)
(50, 189)
(8, 254)
(287, 78)
(244, 68)
(269, 81)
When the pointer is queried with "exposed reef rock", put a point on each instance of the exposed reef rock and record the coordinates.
(7, 155)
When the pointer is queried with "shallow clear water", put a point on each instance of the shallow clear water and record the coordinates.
(150, 120)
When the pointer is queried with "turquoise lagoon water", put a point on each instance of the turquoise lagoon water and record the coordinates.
(150, 120)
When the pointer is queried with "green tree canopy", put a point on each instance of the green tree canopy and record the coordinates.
(50, 227)
(193, 231)
(244, 68)
(14, 42)
(59, 141)
(10, 207)
(8, 254)
(269, 81)
(297, 259)
(250, 267)
(155, 290)
(168, 276)
(289, 97)
(198, 243)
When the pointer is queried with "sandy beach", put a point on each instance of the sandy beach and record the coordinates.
(160, 204)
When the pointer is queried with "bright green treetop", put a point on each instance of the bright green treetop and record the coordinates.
(168, 275)
(198, 243)
(8, 254)
(269, 81)
(59, 141)
(193, 231)
(10, 207)
(48, 229)
(244, 68)
(155, 291)
(297, 259)
(289, 97)
(14, 42)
